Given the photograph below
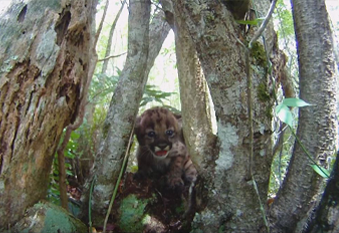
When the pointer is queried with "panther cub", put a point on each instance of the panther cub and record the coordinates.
(161, 147)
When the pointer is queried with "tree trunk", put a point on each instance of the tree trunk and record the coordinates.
(194, 94)
(233, 203)
(142, 51)
(44, 55)
(317, 129)
(326, 216)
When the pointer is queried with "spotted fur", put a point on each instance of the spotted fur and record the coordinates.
(162, 148)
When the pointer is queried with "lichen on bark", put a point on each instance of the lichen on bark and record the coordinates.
(39, 93)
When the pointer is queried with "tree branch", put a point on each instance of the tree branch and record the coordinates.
(264, 24)
(112, 56)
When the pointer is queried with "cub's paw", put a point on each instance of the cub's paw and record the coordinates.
(139, 176)
(175, 183)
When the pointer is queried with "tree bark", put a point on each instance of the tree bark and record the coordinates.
(194, 94)
(44, 55)
(326, 216)
(317, 128)
(195, 102)
(142, 51)
(232, 203)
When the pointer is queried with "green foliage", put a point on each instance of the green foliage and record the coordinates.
(102, 87)
(283, 112)
(284, 14)
(285, 115)
(153, 94)
(283, 21)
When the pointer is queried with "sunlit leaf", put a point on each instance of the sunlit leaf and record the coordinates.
(321, 171)
(295, 102)
(251, 22)
(284, 114)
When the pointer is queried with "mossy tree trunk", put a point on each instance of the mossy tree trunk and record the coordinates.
(44, 58)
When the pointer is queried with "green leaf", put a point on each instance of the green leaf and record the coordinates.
(75, 135)
(295, 102)
(69, 173)
(247, 22)
(284, 114)
(323, 172)
(69, 154)
(251, 22)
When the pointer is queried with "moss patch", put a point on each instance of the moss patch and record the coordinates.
(263, 93)
(47, 217)
(259, 54)
(132, 214)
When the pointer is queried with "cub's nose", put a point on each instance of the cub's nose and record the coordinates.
(162, 146)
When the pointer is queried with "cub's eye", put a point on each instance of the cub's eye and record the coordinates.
(169, 132)
(151, 134)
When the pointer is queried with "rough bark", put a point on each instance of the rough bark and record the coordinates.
(125, 102)
(79, 117)
(317, 127)
(232, 203)
(326, 216)
(194, 94)
(44, 55)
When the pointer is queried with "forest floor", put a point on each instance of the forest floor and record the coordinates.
(147, 206)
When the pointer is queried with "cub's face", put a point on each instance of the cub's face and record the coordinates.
(156, 130)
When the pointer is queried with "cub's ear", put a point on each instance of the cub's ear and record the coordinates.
(180, 129)
(179, 119)
(137, 125)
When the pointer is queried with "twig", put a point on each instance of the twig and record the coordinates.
(307, 153)
(250, 109)
(264, 24)
(112, 56)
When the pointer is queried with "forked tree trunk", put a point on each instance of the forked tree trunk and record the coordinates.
(317, 128)
(232, 204)
(44, 57)
(144, 43)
